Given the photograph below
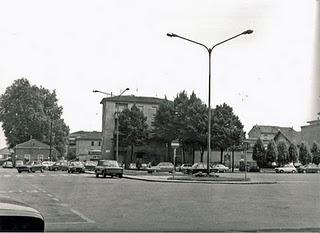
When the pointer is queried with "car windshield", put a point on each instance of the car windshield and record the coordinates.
(76, 164)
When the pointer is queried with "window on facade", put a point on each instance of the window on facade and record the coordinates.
(120, 107)
(92, 143)
(99, 143)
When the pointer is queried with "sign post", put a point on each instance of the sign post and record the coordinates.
(175, 144)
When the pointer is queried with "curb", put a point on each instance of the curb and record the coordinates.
(199, 182)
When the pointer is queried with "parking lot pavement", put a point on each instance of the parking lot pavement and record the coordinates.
(82, 202)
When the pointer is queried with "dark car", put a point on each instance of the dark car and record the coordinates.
(30, 167)
(59, 166)
(76, 167)
(16, 216)
(108, 168)
(251, 166)
(310, 168)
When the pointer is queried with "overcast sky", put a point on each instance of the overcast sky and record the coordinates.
(78, 46)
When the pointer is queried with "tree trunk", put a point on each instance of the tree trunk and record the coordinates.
(232, 160)
(193, 151)
(131, 153)
(201, 155)
(221, 155)
(183, 152)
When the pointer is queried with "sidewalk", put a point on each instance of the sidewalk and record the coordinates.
(165, 179)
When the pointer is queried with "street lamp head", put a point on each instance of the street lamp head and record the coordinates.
(171, 35)
(127, 89)
(248, 32)
(94, 91)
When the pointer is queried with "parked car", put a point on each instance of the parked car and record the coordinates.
(90, 165)
(200, 167)
(310, 168)
(288, 168)
(186, 168)
(59, 166)
(132, 166)
(76, 167)
(18, 163)
(31, 166)
(252, 166)
(161, 167)
(219, 168)
(47, 164)
(108, 168)
(7, 164)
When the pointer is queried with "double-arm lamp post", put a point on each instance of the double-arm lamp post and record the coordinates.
(209, 49)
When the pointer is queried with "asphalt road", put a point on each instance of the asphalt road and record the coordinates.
(81, 202)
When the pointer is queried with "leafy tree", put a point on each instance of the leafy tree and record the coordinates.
(28, 111)
(304, 153)
(315, 150)
(227, 129)
(292, 153)
(195, 128)
(133, 128)
(258, 153)
(164, 127)
(282, 153)
(271, 153)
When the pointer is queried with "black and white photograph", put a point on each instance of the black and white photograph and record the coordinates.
(159, 116)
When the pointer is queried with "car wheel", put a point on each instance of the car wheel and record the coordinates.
(281, 171)
(97, 175)
(111, 176)
(41, 171)
(120, 175)
(19, 171)
(293, 171)
(104, 174)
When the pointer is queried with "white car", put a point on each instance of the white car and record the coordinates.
(288, 168)
(161, 167)
(220, 168)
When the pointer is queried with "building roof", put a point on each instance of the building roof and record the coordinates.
(133, 99)
(288, 132)
(33, 143)
(86, 135)
(6, 151)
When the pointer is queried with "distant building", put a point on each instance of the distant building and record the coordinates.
(5, 154)
(85, 145)
(33, 150)
(311, 132)
(113, 105)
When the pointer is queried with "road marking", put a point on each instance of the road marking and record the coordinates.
(55, 199)
(32, 191)
(49, 195)
(82, 216)
(7, 175)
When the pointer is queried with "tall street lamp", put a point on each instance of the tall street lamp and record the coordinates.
(209, 94)
(117, 142)
(96, 91)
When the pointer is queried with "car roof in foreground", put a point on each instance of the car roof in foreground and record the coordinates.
(11, 207)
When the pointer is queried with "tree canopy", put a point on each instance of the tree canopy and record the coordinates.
(304, 153)
(27, 111)
(271, 153)
(258, 153)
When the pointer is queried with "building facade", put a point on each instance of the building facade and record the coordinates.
(311, 132)
(85, 145)
(5, 154)
(111, 106)
(33, 150)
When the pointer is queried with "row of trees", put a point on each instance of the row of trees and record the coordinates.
(186, 119)
(282, 154)
(30, 111)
